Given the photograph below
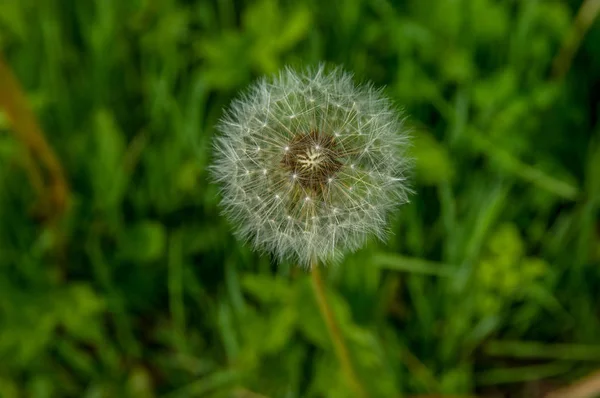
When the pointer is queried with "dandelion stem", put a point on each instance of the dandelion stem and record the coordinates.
(588, 12)
(26, 129)
(341, 350)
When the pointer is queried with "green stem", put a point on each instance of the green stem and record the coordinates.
(341, 350)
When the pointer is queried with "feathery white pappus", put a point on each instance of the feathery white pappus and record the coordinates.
(311, 165)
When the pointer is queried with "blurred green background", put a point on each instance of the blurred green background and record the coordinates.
(489, 286)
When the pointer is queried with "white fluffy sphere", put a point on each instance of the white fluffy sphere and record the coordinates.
(311, 165)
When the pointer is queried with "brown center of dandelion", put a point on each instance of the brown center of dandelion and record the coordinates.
(312, 159)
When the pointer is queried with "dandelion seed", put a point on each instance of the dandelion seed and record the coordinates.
(318, 164)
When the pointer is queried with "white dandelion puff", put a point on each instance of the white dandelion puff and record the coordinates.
(327, 159)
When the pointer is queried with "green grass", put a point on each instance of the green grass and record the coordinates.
(490, 279)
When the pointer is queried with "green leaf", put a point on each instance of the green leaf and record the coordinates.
(522, 373)
(139, 383)
(395, 262)
(106, 164)
(281, 326)
(143, 242)
(267, 289)
(79, 309)
(540, 350)
(295, 28)
(592, 177)
(433, 162)
(12, 17)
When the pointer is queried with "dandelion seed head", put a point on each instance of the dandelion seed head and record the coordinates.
(340, 143)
